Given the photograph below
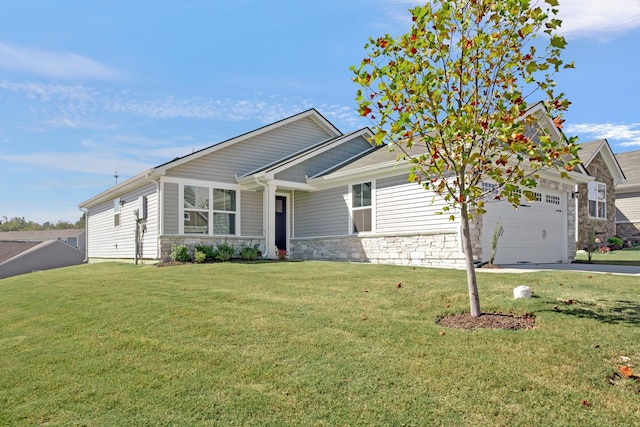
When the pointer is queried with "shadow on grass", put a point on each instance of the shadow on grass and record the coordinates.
(605, 311)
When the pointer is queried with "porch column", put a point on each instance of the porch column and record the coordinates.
(270, 215)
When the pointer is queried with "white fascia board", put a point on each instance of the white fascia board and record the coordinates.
(133, 183)
(380, 170)
(554, 175)
(627, 188)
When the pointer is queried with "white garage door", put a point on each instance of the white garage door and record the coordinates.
(536, 232)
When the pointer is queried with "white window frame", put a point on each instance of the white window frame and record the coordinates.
(211, 186)
(371, 206)
(597, 193)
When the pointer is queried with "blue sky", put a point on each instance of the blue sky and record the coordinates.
(88, 88)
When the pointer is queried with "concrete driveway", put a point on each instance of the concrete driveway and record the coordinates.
(594, 268)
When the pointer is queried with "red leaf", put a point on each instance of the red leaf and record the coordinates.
(626, 371)
(366, 111)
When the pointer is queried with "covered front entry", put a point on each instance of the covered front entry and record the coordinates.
(281, 223)
(536, 232)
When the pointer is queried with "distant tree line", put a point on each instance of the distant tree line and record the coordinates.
(21, 224)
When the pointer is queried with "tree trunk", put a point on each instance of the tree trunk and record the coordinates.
(472, 283)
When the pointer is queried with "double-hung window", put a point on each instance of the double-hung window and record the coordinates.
(196, 209)
(204, 216)
(361, 207)
(224, 211)
(597, 195)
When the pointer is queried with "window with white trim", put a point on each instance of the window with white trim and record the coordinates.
(224, 211)
(116, 212)
(597, 196)
(361, 207)
(201, 216)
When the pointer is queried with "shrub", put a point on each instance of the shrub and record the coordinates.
(180, 253)
(199, 256)
(615, 242)
(224, 252)
(209, 252)
(249, 253)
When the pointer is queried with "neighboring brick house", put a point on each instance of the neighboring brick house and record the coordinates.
(628, 198)
(596, 200)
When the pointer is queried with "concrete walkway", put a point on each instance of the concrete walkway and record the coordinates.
(594, 268)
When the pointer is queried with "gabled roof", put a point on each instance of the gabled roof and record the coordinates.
(154, 173)
(382, 161)
(630, 164)
(589, 150)
(296, 158)
(9, 250)
(311, 113)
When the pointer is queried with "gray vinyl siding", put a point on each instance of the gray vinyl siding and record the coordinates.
(628, 207)
(251, 219)
(171, 209)
(245, 156)
(321, 213)
(325, 160)
(105, 240)
(403, 206)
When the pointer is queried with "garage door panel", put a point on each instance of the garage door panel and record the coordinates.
(531, 233)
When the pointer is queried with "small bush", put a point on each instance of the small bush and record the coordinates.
(199, 256)
(615, 243)
(180, 253)
(208, 251)
(224, 252)
(249, 253)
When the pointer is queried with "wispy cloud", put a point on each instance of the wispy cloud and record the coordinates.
(80, 106)
(594, 19)
(624, 135)
(59, 65)
(598, 19)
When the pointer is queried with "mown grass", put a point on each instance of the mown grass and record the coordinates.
(312, 343)
(627, 256)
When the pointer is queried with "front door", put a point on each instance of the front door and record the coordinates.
(281, 222)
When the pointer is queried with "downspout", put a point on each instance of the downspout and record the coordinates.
(265, 215)
(86, 235)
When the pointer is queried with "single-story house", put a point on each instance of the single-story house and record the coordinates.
(27, 251)
(628, 198)
(302, 186)
(597, 199)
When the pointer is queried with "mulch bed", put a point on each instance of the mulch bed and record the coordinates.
(488, 321)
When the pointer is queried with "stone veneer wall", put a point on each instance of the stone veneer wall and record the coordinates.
(167, 242)
(603, 228)
(440, 249)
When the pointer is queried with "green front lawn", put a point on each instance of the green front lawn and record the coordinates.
(627, 256)
(312, 344)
